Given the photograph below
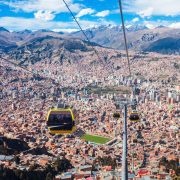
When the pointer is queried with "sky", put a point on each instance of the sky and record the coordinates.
(17, 15)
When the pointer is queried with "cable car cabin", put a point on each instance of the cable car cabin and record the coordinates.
(61, 121)
(116, 115)
(134, 116)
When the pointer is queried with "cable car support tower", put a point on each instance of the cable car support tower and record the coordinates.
(132, 102)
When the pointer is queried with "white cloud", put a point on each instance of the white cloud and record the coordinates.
(135, 20)
(150, 26)
(153, 24)
(146, 8)
(146, 12)
(43, 9)
(65, 30)
(128, 26)
(84, 12)
(103, 13)
(56, 6)
(13, 23)
(17, 24)
(175, 25)
(44, 15)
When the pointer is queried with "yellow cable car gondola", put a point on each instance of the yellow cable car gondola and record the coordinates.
(116, 115)
(61, 121)
(134, 116)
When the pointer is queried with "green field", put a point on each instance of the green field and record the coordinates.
(95, 139)
(107, 90)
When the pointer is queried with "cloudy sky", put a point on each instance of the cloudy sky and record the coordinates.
(52, 14)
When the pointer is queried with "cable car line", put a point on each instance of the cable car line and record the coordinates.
(124, 35)
(134, 115)
(56, 116)
(25, 69)
(17, 65)
(75, 19)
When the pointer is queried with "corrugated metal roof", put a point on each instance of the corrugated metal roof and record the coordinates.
(5, 158)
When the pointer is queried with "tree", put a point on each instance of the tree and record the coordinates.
(107, 161)
(163, 161)
(172, 164)
(61, 165)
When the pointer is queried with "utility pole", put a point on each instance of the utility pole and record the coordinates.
(121, 103)
(125, 148)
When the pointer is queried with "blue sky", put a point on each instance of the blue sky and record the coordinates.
(52, 14)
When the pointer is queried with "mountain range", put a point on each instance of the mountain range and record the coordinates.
(161, 39)
(139, 38)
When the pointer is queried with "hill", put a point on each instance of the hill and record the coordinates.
(47, 47)
(166, 45)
